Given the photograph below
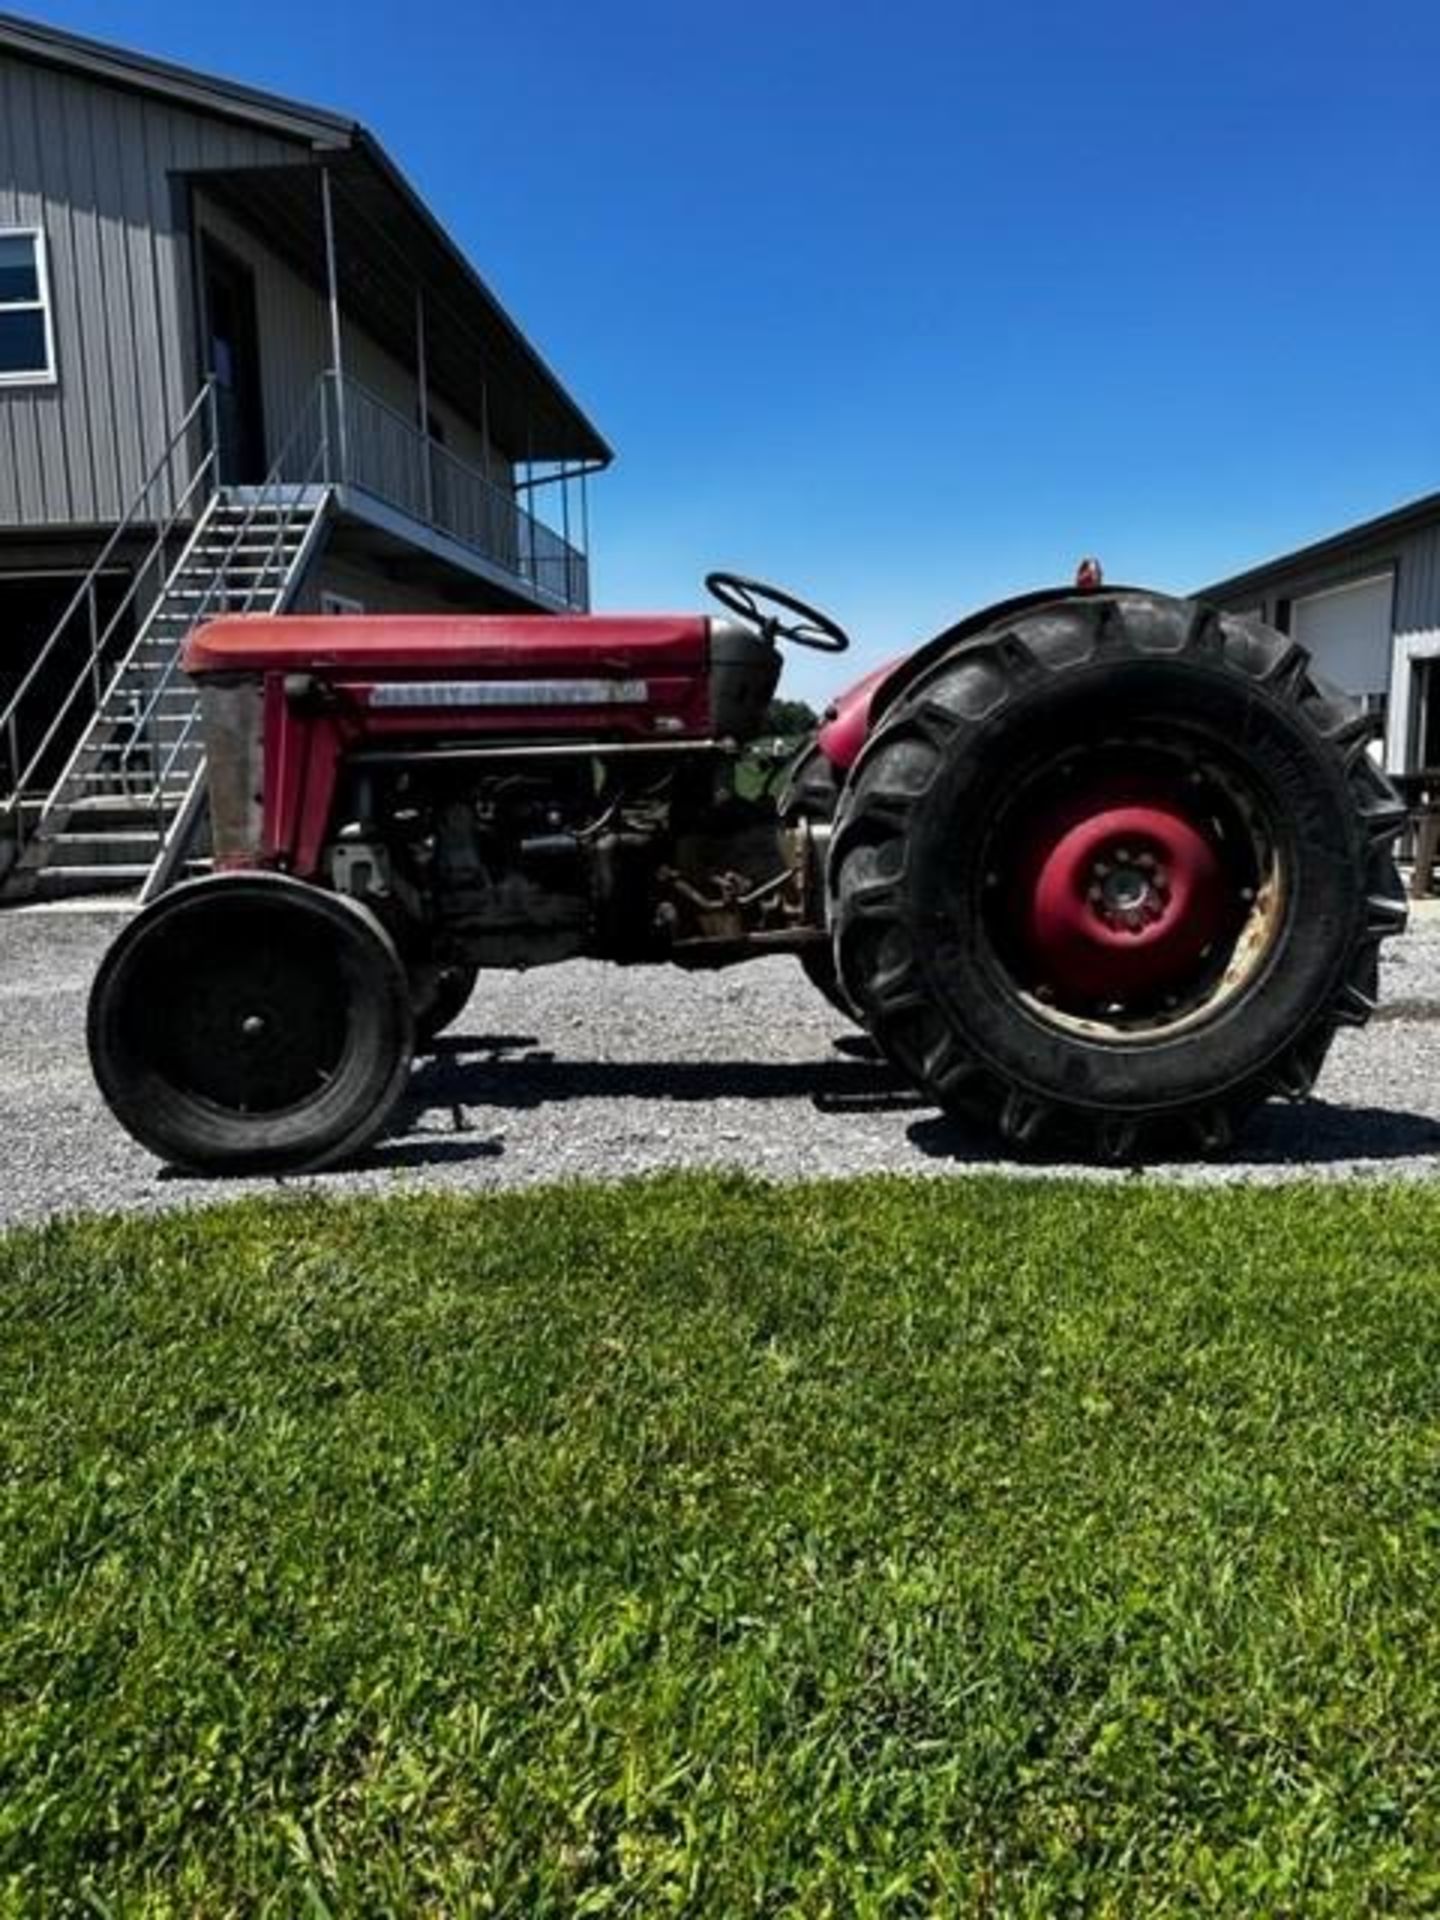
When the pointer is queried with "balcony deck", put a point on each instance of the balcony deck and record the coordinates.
(392, 477)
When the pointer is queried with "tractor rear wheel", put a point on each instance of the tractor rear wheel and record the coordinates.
(248, 1023)
(1113, 872)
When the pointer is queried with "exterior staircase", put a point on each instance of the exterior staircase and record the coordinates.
(125, 812)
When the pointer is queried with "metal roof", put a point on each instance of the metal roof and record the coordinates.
(1335, 547)
(121, 67)
(474, 336)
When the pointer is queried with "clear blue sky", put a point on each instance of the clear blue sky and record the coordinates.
(907, 306)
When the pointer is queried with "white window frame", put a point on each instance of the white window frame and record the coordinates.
(33, 376)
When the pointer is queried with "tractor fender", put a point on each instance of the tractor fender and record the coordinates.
(845, 723)
(852, 716)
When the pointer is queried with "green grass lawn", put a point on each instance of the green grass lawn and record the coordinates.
(702, 1547)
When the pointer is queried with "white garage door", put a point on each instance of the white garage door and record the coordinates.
(1347, 630)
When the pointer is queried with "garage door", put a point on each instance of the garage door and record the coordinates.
(1347, 630)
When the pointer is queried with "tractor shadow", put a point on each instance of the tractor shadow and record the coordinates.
(513, 1072)
(1314, 1133)
(461, 1090)
(476, 1079)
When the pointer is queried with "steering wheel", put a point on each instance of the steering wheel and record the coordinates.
(811, 629)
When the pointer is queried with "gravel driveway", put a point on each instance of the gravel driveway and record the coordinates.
(585, 1069)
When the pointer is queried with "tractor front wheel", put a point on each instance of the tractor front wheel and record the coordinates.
(1113, 872)
(248, 1023)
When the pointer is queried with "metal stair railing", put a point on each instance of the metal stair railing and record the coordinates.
(274, 579)
(289, 499)
(59, 794)
(145, 509)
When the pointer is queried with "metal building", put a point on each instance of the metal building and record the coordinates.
(1366, 602)
(242, 367)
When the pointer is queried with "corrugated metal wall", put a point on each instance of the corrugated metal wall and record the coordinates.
(1417, 584)
(92, 166)
(378, 593)
(1414, 558)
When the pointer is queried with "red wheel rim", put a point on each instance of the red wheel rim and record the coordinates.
(1121, 897)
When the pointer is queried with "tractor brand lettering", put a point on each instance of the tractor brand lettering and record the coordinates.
(509, 693)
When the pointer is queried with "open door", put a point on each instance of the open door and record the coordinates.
(232, 350)
(1425, 717)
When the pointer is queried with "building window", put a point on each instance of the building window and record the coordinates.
(27, 341)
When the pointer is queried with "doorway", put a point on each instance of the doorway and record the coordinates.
(1425, 715)
(232, 355)
(66, 691)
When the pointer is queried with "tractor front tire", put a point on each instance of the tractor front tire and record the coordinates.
(1112, 872)
(249, 1023)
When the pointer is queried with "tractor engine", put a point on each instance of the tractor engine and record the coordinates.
(530, 864)
(511, 792)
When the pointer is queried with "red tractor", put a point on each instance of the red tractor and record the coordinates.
(1097, 867)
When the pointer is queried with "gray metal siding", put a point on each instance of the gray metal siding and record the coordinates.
(1414, 558)
(1417, 586)
(93, 166)
(350, 576)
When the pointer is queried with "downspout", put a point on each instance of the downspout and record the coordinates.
(337, 363)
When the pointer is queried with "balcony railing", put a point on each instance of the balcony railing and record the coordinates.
(375, 448)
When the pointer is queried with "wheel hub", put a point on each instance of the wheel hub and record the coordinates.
(254, 1032)
(1120, 898)
(1129, 895)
